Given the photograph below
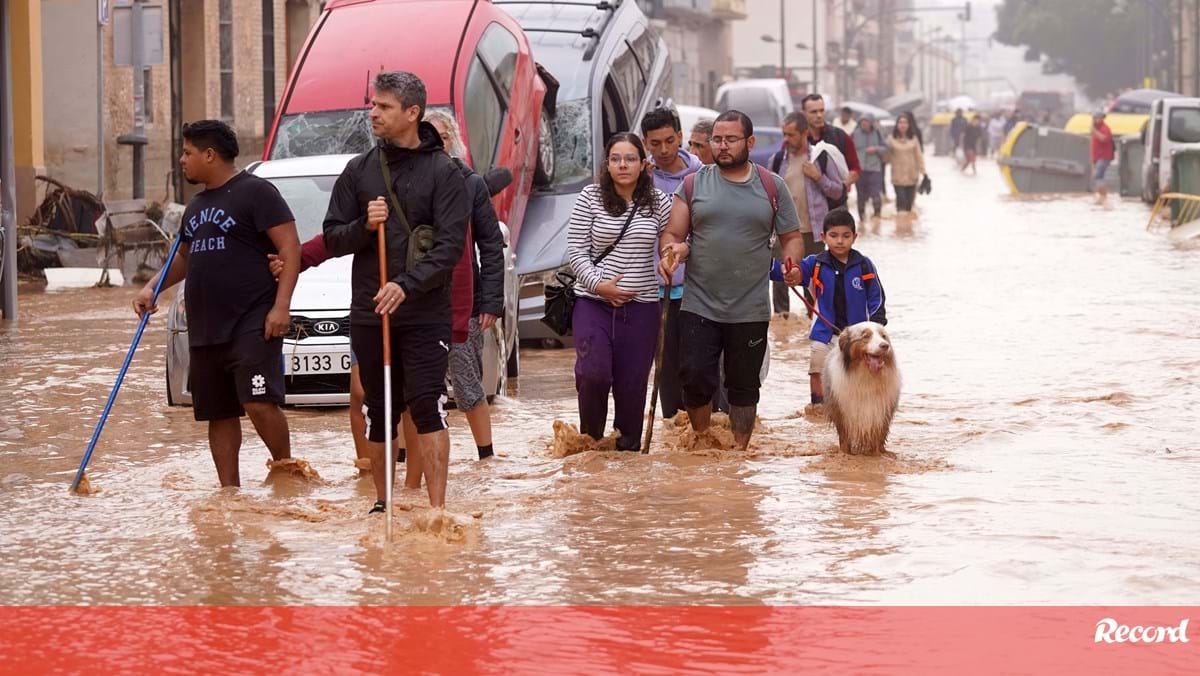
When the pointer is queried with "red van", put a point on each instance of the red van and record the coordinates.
(464, 50)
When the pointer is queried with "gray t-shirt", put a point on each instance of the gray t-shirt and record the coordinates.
(730, 260)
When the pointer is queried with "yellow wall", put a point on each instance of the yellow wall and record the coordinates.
(25, 31)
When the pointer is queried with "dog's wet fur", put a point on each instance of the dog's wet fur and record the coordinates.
(862, 388)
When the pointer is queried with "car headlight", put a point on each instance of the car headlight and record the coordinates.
(534, 283)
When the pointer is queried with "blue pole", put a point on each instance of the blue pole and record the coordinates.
(125, 367)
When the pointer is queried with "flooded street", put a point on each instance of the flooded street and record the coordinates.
(1046, 443)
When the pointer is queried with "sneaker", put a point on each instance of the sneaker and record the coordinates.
(379, 508)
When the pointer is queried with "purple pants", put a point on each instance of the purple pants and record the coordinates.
(614, 350)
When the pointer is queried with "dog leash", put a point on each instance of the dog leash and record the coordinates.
(789, 265)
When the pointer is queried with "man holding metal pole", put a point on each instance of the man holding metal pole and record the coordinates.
(237, 314)
(407, 185)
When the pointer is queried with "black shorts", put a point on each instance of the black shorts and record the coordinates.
(701, 344)
(420, 356)
(225, 376)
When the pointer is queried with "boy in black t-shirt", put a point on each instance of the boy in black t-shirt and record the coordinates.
(237, 312)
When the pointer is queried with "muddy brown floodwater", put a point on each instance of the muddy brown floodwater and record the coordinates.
(1046, 443)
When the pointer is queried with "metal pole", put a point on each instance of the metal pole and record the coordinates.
(99, 110)
(783, 44)
(139, 100)
(8, 212)
(816, 84)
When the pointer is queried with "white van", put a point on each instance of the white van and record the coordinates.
(767, 101)
(1174, 125)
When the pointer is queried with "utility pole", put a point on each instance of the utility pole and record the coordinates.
(816, 83)
(8, 208)
(783, 45)
(137, 137)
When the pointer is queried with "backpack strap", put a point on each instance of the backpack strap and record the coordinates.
(768, 181)
(777, 160)
(689, 188)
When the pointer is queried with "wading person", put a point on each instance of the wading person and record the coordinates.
(813, 107)
(845, 120)
(811, 183)
(425, 200)
(611, 241)
(237, 313)
(848, 292)
(698, 141)
(477, 300)
(908, 162)
(731, 215)
(970, 145)
(661, 134)
(870, 145)
(1103, 152)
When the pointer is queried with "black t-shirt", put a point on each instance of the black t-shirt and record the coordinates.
(230, 289)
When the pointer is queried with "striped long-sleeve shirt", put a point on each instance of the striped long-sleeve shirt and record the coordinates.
(592, 230)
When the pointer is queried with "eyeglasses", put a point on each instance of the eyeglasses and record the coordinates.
(725, 140)
(623, 159)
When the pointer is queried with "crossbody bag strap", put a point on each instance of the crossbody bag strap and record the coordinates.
(396, 207)
(632, 210)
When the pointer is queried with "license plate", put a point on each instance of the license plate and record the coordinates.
(313, 363)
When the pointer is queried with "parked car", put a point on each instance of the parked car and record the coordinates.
(475, 61)
(767, 142)
(612, 67)
(316, 351)
(690, 115)
(1139, 101)
(1174, 125)
(766, 101)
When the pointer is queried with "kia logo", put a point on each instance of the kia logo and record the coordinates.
(326, 327)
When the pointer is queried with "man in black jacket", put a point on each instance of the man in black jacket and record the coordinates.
(415, 300)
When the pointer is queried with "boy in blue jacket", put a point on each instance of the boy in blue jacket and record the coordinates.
(846, 286)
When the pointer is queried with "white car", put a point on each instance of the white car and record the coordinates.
(316, 351)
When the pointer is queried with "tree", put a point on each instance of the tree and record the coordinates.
(1101, 43)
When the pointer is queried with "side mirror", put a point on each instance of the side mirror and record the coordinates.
(497, 179)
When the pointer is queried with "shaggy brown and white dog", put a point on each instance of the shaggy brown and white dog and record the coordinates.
(862, 388)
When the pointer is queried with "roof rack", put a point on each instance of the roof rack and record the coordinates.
(607, 6)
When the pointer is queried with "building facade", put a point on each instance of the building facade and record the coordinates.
(699, 37)
(230, 60)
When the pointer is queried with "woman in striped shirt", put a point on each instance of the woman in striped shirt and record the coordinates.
(617, 309)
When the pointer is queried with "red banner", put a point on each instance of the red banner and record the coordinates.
(595, 639)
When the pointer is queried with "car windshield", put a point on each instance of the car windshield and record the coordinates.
(308, 198)
(327, 132)
(573, 143)
(1184, 125)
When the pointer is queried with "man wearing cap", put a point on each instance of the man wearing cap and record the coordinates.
(1103, 151)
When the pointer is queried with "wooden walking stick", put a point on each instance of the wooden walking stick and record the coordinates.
(658, 357)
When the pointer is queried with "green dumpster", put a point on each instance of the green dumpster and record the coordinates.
(1185, 178)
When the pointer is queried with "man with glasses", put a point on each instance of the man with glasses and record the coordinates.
(699, 141)
(722, 221)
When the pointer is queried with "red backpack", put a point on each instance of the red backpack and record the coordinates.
(764, 175)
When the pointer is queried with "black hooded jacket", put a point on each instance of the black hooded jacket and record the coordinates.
(485, 230)
(431, 188)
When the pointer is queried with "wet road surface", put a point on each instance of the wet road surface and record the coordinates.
(1046, 443)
